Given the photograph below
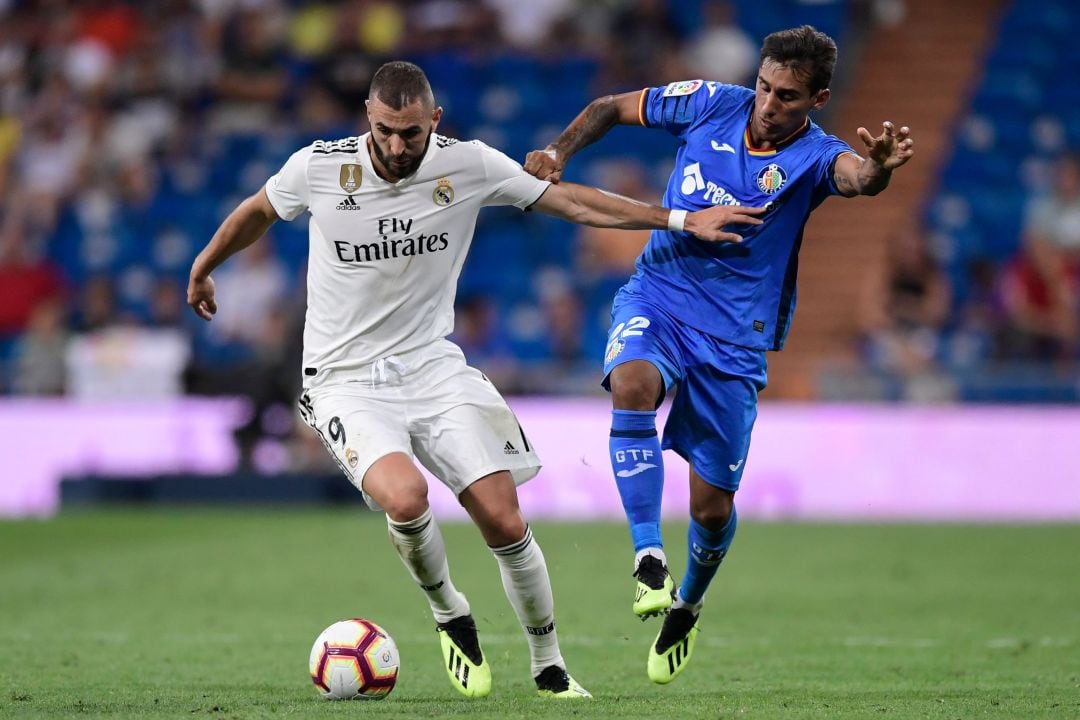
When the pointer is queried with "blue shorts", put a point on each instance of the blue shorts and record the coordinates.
(715, 404)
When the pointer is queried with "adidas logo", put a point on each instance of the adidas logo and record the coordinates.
(458, 668)
(509, 449)
(681, 653)
(349, 203)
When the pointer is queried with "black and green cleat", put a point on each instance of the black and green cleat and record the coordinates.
(463, 659)
(673, 647)
(555, 682)
(655, 589)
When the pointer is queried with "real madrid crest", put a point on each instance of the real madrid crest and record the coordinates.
(771, 178)
(351, 457)
(443, 194)
(349, 177)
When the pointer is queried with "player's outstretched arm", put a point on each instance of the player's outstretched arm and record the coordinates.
(244, 225)
(590, 125)
(589, 206)
(856, 176)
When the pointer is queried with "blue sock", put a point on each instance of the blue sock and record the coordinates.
(639, 473)
(707, 551)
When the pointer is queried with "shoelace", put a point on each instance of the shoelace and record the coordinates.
(651, 572)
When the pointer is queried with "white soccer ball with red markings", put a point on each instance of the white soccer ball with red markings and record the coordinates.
(354, 659)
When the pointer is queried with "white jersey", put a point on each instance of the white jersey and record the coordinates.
(384, 258)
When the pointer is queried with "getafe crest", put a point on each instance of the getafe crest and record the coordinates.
(614, 349)
(444, 193)
(349, 177)
(771, 178)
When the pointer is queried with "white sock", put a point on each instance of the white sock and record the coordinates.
(692, 607)
(420, 546)
(656, 552)
(525, 579)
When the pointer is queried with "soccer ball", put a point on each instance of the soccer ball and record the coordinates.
(354, 659)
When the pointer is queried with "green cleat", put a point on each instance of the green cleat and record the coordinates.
(555, 682)
(673, 647)
(463, 659)
(655, 588)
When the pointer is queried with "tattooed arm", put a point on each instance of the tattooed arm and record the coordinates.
(589, 126)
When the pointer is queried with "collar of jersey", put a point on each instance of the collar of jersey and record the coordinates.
(762, 152)
(365, 158)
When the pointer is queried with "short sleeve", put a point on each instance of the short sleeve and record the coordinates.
(288, 190)
(832, 149)
(507, 181)
(675, 107)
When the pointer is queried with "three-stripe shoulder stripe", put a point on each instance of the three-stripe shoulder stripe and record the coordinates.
(346, 145)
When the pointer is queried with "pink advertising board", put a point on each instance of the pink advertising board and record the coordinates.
(843, 462)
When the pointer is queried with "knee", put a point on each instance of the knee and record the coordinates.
(503, 531)
(714, 514)
(405, 505)
(636, 385)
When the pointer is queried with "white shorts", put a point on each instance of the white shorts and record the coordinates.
(428, 404)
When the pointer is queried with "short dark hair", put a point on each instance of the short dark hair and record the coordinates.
(401, 83)
(806, 51)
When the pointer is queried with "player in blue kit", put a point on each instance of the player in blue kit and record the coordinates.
(700, 316)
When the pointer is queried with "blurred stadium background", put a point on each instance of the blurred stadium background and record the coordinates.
(932, 373)
(128, 130)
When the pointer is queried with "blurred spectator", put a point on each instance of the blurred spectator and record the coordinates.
(250, 291)
(168, 305)
(1039, 291)
(252, 84)
(1040, 286)
(97, 305)
(127, 362)
(607, 252)
(477, 333)
(527, 25)
(904, 307)
(975, 337)
(644, 46)
(721, 50)
(452, 24)
(1054, 220)
(38, 363)
(569, 368)
(25, 284)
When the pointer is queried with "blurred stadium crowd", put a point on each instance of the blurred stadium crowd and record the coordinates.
(129, 129)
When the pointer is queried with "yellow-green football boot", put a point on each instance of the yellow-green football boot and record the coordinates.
(555, 682)
(655, 589)
(673, 647)
(463, 659)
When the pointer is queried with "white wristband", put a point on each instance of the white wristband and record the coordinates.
(675, 220)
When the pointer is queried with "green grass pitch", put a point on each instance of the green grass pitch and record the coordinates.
(211, 614)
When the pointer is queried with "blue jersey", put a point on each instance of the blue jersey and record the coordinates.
(744, 293)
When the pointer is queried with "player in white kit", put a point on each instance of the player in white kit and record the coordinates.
(392, 217)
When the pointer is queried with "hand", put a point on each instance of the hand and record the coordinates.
(892, 149)
(200, 296)
(708, 224)
(545, 164)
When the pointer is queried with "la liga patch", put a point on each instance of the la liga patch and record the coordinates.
(684, 87)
